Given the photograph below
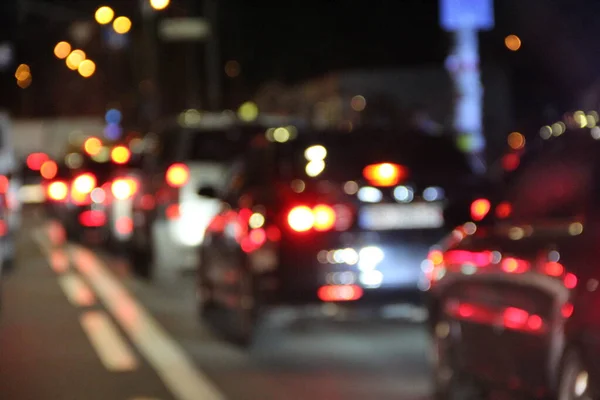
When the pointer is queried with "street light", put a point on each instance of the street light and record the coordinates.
(104, 15)
(122, 25)
(87, 68)
(159, 4)
(23, 72)
(62, 50)
(75, 59)
(512, 42)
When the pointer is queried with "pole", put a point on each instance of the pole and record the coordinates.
(463, 65)
(150, 88)
(213, 62)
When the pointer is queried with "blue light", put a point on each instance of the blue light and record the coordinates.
(113, 131)
(113, 116)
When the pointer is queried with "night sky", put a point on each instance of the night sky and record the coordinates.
(294, 41)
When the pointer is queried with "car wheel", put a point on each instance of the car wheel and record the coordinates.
(450, 383)
(204, 292)
(246, 313)
(573, 380)
(143, 253)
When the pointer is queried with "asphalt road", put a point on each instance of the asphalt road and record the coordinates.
(76, 324)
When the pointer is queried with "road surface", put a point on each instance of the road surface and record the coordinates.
(75, 324)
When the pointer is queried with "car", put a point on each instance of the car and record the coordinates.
(10, 184)
(512, 294)
(169, 218)
(77, 197)
(330, 217)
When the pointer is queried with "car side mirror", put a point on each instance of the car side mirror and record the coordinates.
(208, 192)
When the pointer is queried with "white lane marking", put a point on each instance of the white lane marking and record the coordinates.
(110, 346)
(78, 293)
(168, 359)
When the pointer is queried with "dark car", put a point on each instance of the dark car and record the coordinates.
(169, 218)
(329, 218)
(513, 297)
(77, 197)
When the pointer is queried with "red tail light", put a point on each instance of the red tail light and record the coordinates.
(479, 209)
(385, 174)
(340, 293)
(84, 183)
(58, 191)
(324, 218)
(123, 189)
(92, 218)
(3, 184)
(514, 265)
(320, 218)
(503, 210)
(177, 175)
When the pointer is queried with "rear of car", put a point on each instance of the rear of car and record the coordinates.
(78, 196)
(358, 212)
(169, 217)
(502, 290)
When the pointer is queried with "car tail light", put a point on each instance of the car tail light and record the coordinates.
(58, 191)
(321, 218)
(177, 175)
(172, 211)
(123, 189)
(84, 183)
(324, 218)
(3, 184)
(503, 210)
(49, 169)
(92, 218)
(340, 293)
(385, 174)
(301, 219)
(479, 209)
(514, 265)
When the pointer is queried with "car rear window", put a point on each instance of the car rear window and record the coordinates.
(430, 160)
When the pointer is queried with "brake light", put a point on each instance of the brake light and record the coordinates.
(58, 191)
(385, 174)
(320, 218)
(85, 183)
(340, 293)
(479, 209)
(177, 175)
(324, 218)
(514, 265)
(301, 219)
(503, 210)
(49, 169)
(123, 189)
(3, 184)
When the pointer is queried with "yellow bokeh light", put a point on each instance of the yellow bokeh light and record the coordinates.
(159, 4)
(75, 58)
(512, 42)
(122, 25)
(23, 72)
(62, 50)
(87, 68)
(248, 111)
(104, 15)
(24, 84)
(516, 140)
(93, 146)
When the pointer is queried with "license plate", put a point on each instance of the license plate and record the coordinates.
(401, 216)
